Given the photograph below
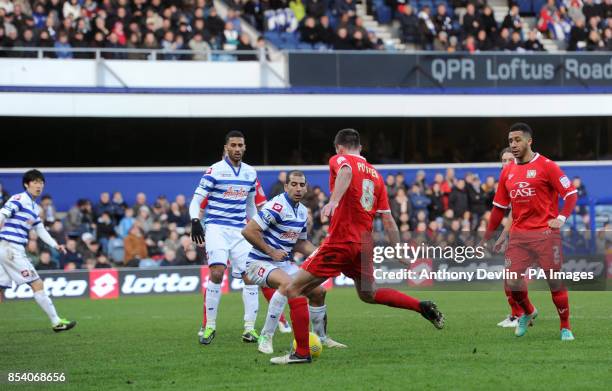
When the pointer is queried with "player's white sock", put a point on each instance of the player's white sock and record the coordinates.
(46, 304)
(319, 322)
(213, 297)
(275, 309)
(250, 298)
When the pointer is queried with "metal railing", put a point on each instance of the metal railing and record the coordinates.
(134, 54)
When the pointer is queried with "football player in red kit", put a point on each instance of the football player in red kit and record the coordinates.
(531, 186)
(358, 195)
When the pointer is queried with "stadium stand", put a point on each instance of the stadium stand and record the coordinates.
(445, 210)
(443, 25)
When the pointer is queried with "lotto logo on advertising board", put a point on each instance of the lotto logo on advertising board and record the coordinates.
(160, 281)
(103, 284)
(56, 285)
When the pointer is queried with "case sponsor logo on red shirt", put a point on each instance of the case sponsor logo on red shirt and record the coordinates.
(523, 190)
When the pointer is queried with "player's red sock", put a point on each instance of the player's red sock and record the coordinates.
(298, 308)
(522, 299)
(268, 293)
(561, 300)
(515, 307)
(397, 299)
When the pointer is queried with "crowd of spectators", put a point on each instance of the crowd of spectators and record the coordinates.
(318, 24)
(108, 232)
(171, 25)
(583, 26)
(166, 25)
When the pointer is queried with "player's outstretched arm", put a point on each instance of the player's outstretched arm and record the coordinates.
(390, 228)
(251, 207)
(504, 235)
(253, 233)
(343, 180)
(497, 215)
(44, 235)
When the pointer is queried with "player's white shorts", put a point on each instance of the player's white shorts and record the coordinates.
(223, 243)
(258, 271)
(15, 265)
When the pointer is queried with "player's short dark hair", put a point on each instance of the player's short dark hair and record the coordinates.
(294, 173)
(348, 138)
(505, 150)
(31, 176)
(521, 127)
(233, 133)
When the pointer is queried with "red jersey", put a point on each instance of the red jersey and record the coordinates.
(260, 196)
(533, 190)
(365, 196)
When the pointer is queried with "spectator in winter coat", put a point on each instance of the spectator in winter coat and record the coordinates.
(458, 199)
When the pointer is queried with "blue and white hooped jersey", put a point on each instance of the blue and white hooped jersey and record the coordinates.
(22, 213)
(228, 190)
(283, 223)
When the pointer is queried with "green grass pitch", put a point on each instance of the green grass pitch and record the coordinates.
(146, 343)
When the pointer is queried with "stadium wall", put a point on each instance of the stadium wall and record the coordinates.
(291, 103)
(194, 89)
(67, 185)
(135, 73)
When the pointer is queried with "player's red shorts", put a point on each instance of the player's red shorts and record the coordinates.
(331, 259)
(541, 249)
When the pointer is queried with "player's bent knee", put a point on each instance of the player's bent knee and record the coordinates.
(515, 285)
(216, 273)
(246, 279)
(278, 279)
(316, 297)
(283, 288)
(367, 297)
(292, 291)
(556, 285)
(37, 285)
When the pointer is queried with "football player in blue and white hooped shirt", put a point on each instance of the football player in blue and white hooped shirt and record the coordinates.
(275, 232)
(229, 187)
(17, 217)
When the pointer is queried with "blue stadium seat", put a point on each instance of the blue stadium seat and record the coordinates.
(429, 3)
(291, 38)
(274, 38)
(525, 6)
(383, 14)
(537, 6)
(304, 46)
